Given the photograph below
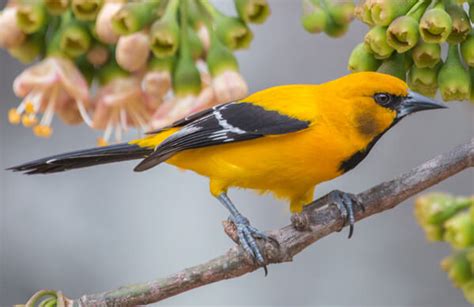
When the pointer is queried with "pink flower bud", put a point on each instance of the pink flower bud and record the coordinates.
(103, 24)
(132, 51)
(98, 55)
(10, 34)
(229, 86)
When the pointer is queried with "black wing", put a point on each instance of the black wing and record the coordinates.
(231, 122)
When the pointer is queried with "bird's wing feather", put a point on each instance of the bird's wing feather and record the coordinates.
(226, 123)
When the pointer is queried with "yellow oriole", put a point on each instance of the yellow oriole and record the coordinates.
(284, 139)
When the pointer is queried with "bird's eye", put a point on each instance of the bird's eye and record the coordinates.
(383, 99)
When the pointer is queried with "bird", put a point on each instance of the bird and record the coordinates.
(284, 140)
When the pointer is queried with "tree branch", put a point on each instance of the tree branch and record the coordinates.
(318, 220)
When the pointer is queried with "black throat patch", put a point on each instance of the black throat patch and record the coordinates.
(356, 158)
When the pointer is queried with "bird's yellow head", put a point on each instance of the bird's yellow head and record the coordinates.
(373, 102)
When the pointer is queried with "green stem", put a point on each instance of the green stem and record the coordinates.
(183, 22)
(419, 9)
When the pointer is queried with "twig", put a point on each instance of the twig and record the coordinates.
(317, 220)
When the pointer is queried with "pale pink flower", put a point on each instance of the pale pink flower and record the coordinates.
(119, 105)
(10, 34)
(155, 85)
(229, 86)
(103, 24)
(132, 51)
(52, 85)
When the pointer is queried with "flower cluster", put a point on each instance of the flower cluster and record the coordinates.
(406, 38)
(329, 16)
(115, 64)
(451, 219)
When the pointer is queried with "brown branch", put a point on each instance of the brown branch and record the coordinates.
(317, 220)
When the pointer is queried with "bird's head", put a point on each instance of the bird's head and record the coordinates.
(373, 102)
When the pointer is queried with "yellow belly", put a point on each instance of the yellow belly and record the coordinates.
(288, 165)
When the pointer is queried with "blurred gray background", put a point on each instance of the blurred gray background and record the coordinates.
(99, 228)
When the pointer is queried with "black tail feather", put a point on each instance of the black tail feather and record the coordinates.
(83, 158)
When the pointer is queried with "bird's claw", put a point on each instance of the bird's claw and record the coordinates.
(346, 203)
(247, 235)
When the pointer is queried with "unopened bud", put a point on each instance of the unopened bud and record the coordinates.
(435, 25)
(426, 55)
(454, 80)
(362, 59)
(461, 24)
(376, 39)
(255, 11)
(132, 51)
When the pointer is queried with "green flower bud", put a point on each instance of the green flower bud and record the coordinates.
(434, 233)
(363, 13)
(376, 39)
(56, 7)
(32, 16)
(424, 80)
(454, 80)
(314, 18)
(255, 11)
(86, 10)
(186, 76)
(402, 34)
(436, 208)
(459, 230)
(461, 24)
(341, 11)
(395, 66)
(467, 50)
(468, 290)
(134, 16)
(426, 55)
(234, 33)
(220, 58)
(164, 35)
(458, 268)
(362, 59)
(75, 38)
(334, 29)
(110, 72)
(436, 24)
(29, 50)
(384, 12)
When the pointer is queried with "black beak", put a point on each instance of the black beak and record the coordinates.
(415, 102)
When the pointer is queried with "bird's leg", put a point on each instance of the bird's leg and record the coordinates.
(346, 203)
(245, 232)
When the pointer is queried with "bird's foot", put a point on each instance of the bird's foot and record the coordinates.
(346, 203)
(247, 234)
